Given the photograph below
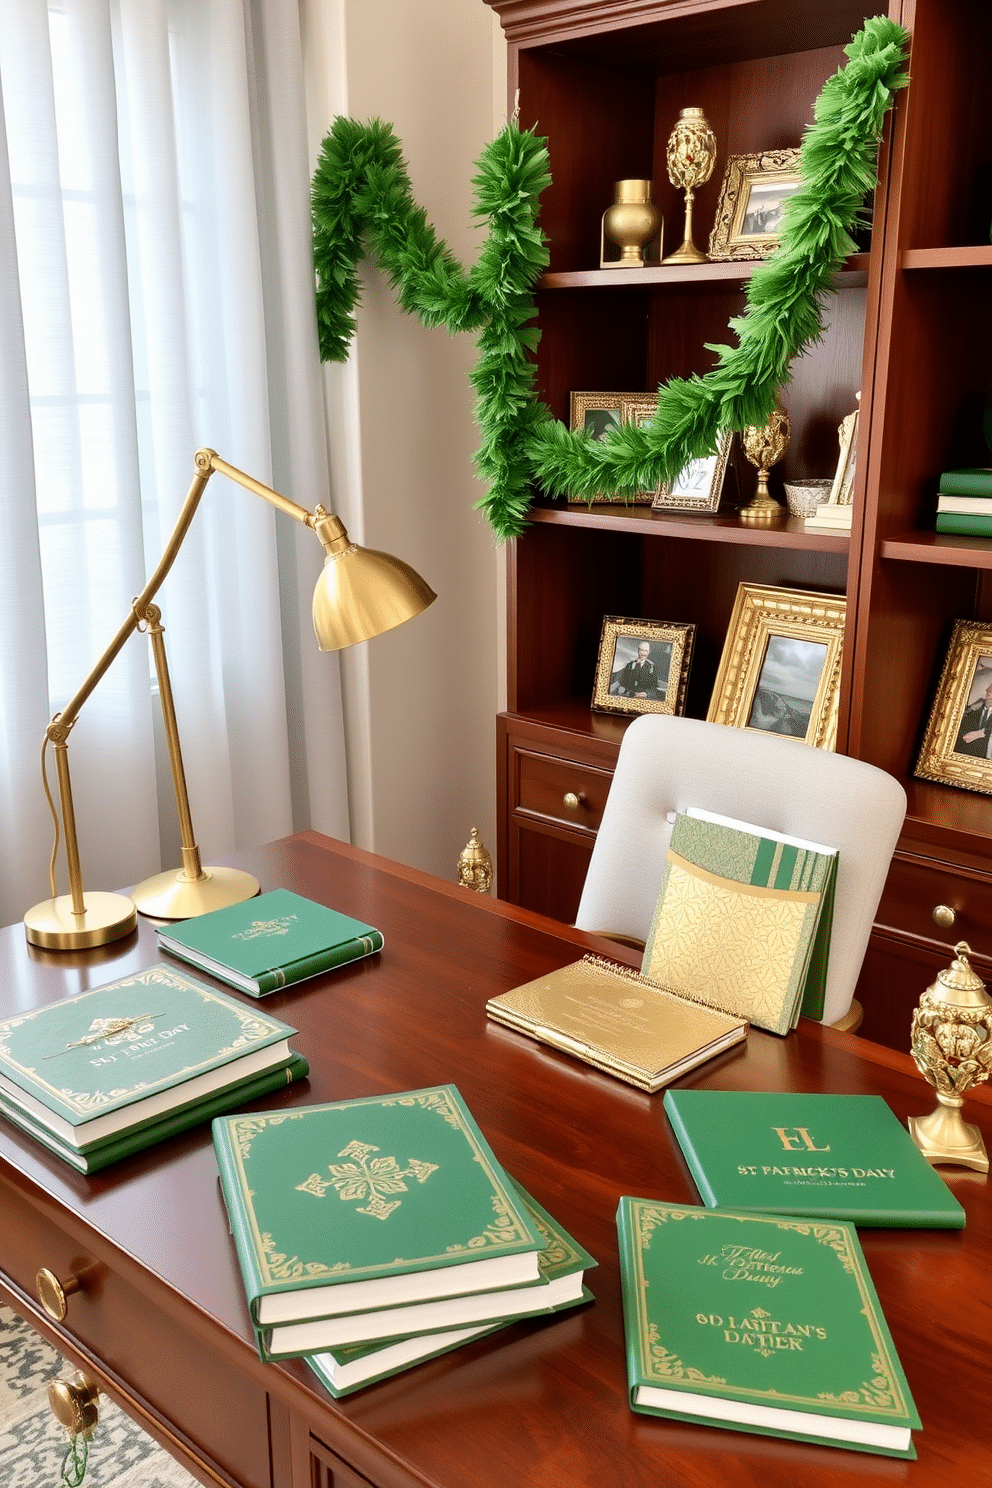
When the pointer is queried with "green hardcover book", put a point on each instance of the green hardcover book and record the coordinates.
(971, 480)
(151, 1133)
(270, 942)
(123, 1056)
(823, 1156)
(366, 1204)
(964, 524)
(562, 1264)
(743, 920)
(759, 1323)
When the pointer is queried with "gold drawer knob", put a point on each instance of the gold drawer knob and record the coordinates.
(572, 801)
(944, 916)
(54, 1294)
(74, 1403)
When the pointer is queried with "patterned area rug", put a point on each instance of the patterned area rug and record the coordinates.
(33, 1444)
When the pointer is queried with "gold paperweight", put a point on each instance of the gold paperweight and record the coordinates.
(475, 866)
(951, 1043)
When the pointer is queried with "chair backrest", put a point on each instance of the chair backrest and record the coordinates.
(668, 764)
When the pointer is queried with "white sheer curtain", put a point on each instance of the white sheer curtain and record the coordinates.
(155, 296)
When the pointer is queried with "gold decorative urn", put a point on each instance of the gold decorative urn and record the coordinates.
(764, 446)
(691, 157)
(951, 1043)
(631, 223)
(475, 866)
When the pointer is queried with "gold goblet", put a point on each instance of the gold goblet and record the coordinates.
(764, 446)
(691, 158)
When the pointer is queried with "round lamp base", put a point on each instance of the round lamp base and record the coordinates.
(53, 925)
(173, 896)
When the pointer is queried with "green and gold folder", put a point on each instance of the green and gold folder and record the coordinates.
(562, 1264)
(120, 1059)
(759, 1323)
(366, 1204)
(743, 920)
(825, 1156)
(270, 942)
(618, 1021)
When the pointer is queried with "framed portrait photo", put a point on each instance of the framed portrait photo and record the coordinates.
(598, 414)
(699, 486)
(643, 666)
(752, 202)
(957, 743)
(780, 668)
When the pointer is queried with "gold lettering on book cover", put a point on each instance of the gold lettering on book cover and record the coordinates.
(368, 1177)
(265, 928)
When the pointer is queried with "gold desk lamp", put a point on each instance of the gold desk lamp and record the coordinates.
(360, 594)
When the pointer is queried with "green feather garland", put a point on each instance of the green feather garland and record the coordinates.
(362, 202)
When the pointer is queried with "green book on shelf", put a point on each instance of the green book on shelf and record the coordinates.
(823, 1156)
(759, 1323)
(971, 480)
(743, 920)
(964, 524)
(366, 1204)
(269, 942)
(119, 1067)
(562, 1264)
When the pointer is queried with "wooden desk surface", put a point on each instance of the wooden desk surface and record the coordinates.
(162, 1319)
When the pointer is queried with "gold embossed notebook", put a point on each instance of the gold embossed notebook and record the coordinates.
(619, 1021)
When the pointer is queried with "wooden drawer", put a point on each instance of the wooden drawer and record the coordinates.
(542, 783)
(912, 892)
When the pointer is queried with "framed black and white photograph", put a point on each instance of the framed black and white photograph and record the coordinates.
(699, 486)
(752, 204)
(957, 743)
(598, 414)
(780, 668)
(643, 666)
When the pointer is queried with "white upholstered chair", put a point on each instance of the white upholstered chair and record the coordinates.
(668, 764)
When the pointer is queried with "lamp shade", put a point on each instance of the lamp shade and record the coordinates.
(362, 593)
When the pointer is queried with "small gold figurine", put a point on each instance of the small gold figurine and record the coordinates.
(951, 1043)
(691, 158)
(764, 446)
(475, 866)
(633, 222)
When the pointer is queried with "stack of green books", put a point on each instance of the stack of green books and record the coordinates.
(964, 502)
(102, 1075)
(375, 1232)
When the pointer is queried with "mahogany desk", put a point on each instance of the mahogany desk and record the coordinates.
(161, 1319)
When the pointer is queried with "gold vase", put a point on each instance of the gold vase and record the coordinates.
(951, 1044)
(764, 446)
(631, 223)
(691, 158)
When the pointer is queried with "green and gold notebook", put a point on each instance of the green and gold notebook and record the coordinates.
(367, 1204)
(759, 1323)
(562, 1265)
(270, 942)
(832, 1156)
(101, 1074)
(743, 920)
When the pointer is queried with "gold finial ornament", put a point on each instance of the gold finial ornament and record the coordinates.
(475, 866)
(764, 446)
(691, 158)
(632, 222)
(951, 1043)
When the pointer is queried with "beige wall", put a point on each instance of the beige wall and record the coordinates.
(420, 701)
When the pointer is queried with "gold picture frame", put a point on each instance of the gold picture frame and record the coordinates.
(749, 214)
(598, 414)
(699, 485)
(955, 745)
(780, 668)
(668, 655)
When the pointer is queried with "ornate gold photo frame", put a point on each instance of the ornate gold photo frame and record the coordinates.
(957, 743)
(755, 189)
(643, 666)
(780, 668)
(700, 485)
(598, 414)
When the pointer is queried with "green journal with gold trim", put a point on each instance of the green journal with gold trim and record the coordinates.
(759, 1323)
(743, 920)
(370, 1203)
